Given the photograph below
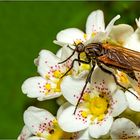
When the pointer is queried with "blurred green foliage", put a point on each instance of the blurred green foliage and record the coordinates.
(25, 29)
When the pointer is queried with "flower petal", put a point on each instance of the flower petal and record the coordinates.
(95, 23)
(59, 53)
(70, 35)
(123, 128)
(66, 52)
(35, 138)
(120, 33)
(133, 42)
(25, 133)
(133, 102)
(71, 122)
(62, 108)
(71, 89)
(111, 23)
(138, 22)
(84, 135)
(47, 62)
(38, 120)
(103, 82)
(119, 103)
(34, 87)
(99, 129)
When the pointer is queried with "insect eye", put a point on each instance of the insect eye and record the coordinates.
(80, 47)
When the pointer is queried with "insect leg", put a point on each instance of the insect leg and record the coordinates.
(87, 80)
(81, 61)
(111, 73)
(68, 57)
(132, 75)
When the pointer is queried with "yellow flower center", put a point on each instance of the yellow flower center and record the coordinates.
(48, 86)
(58, 88)
(83, 67)
(57, 74)
(57, 133)
(97, 107)
(122, 78)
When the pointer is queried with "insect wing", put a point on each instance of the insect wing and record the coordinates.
(122, 58)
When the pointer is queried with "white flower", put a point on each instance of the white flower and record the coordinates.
(102, 101)
(94, 26)
(95, 32)
(41, 124)
(131, 42)
(46, 86)
(123, 128)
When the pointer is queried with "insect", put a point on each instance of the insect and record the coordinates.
(112, 56)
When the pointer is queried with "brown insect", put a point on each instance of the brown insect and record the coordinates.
(113, 56)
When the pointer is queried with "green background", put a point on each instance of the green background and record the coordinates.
(25, 29)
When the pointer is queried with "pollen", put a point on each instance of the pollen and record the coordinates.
(57, 74)
(101, 117)
(98, 106)
(84, 114)
(78, 41)
(85, 66)
(83, 56)
(48, 86)
(122, 77)
(86, 97)
(93, 34)
(85, 36)
(58, 88)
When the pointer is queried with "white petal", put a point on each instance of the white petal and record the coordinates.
(25, 133)
(133, 102)
(71, 122)
(47, 61)
(133, 42)
(71, 89)
(84, 135)
(61, 100)
(121, 33)
(70, 35)
(36, 61)
(35, 138)
(38, 120)
(119, 103)
(111, 23)
(60, 43)
(99, 37)
(97, 130)
(123, 129)
(34, 87)
(103, 82)
(95, 22)
(66, 52)
(59, 53)
(62, 108)
(138, 22)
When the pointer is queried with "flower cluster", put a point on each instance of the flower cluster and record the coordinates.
(102, 110)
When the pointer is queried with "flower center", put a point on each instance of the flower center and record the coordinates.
(97, 107)
(57, 74)
(122, 78)
(82, 66)
(57, 133)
